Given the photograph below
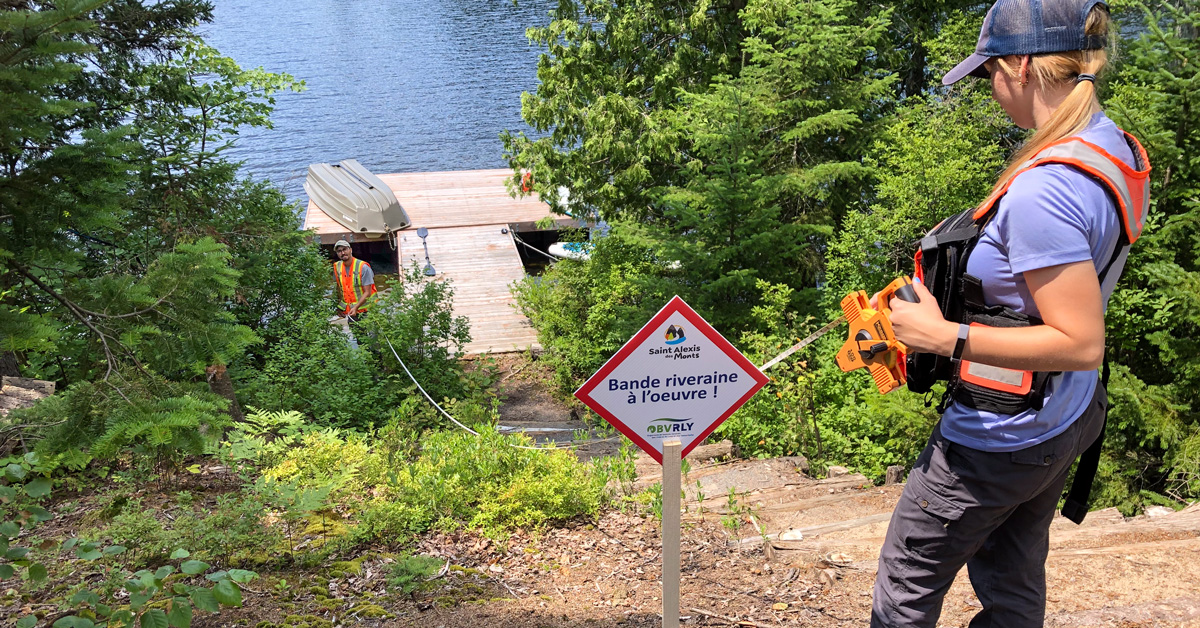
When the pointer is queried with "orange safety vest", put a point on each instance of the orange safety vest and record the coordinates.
(1129, 186)
(351, 283)
(941, 262)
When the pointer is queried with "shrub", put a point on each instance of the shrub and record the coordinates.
(481, 481)
(552, 489)
(585, 310)
(140, 532)
(233, 531)
(322, 458)
(313, 369)
(159, 420)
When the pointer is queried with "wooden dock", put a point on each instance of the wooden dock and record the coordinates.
(467, 214)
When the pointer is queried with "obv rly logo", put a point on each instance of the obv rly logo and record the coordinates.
(675, 335)
(669, 426)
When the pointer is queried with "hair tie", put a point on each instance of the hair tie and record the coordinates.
(1085, 77)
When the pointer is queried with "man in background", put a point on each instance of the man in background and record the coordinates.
(356, 284)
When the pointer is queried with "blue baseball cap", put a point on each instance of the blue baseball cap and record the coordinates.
(1029, 27)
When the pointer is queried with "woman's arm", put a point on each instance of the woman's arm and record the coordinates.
(1072, 338)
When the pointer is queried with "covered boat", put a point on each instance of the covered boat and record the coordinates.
(356, 199)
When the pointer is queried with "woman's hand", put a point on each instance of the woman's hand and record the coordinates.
(920, 326)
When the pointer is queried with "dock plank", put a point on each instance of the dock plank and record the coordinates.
(481, 262)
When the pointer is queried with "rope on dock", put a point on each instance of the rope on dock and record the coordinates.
(552, 257)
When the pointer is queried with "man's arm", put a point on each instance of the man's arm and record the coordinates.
(366, 279)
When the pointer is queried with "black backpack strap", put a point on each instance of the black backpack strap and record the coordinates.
(1076, 506)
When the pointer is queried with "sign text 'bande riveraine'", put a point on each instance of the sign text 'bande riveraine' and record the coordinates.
(677, 378)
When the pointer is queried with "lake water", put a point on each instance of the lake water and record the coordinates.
(401, 86)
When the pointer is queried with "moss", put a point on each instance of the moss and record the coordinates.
(344, 568)
(315, 590)
(329, 604)
(445, 601)
(325, 526)
(305, 621)
(369, 610)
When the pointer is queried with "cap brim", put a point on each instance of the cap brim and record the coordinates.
(971, 66)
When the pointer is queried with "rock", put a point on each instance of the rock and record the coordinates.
(1158, 511)
(22, 392)
(836, 471)
(800, 461)
(791, 534)
(895, 475)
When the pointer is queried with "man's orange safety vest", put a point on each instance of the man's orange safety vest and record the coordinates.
(351, 284)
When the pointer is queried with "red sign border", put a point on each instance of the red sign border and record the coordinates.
(676, 304)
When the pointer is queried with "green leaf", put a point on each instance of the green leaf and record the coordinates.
(38, 487)
(154, 618)
(113, 550)
(72, 621)
(218, 576)
(164, 571)
(121, 619)
(14, 553)
(228, 593)
(205, 600)
(40, 514)
(194, 567)
(6, 571)
(134, 585)
(28, 621)
(10, 529)
(85, 596)
(37, 572)
(180, 553)
(241, 575)
(180, 615)
(88, 554)
(138, 600)
(14, 472)
(103, 610)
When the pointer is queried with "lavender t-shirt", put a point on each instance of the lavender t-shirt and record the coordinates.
(1051, 215)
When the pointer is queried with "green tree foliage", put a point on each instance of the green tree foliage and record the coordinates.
(585, 311)
(775, 155)
(608, 85)
(804, 171)
(130, 249)
(1153, 443)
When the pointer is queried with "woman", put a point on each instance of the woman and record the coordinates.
(1024, 397)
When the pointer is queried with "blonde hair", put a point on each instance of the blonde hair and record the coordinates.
(1055, 68)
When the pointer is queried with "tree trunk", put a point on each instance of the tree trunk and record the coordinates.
(219, 383)
(8, 364)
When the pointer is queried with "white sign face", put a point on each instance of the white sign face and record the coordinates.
(677, 378)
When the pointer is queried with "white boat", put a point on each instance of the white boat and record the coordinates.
(571, 250)
(358, 200)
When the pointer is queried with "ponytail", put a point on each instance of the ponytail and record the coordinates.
(1073, 115)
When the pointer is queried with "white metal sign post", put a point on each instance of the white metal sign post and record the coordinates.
(667, 389)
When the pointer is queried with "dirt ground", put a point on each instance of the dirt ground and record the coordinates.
(763, 545)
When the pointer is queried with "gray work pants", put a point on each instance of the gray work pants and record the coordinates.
(989, 511)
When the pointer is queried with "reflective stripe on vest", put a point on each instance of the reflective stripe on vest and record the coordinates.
(1130, 187)
(351, 284)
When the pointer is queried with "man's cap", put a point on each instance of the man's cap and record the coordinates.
(340, 243)
(1029, 27)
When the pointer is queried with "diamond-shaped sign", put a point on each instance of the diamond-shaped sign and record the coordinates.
(676, 378)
